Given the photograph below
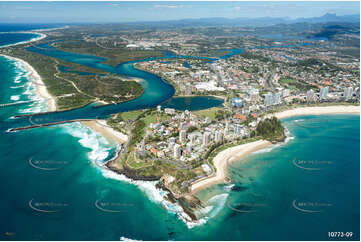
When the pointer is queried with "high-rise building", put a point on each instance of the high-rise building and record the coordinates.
(310, 96)
(357, 92)
(182, 136)
(218, 136)
(182, 125)
(188, 89)
(277, 98)
(189, 148)
(268, 99)
(347, 93)
(192, 138)
(226, 128)
(323, 93)
(286, 93)
(171, 143)
(237, 129)
(206, 138)
(176, 151)
(253, 94)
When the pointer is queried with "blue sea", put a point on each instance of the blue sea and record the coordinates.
(299, 190)
(13, 33)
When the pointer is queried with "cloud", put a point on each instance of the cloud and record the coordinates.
(167, 6)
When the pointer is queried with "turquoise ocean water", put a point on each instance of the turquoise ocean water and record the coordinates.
(299, 190)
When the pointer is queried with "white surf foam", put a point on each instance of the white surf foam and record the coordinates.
(228, 188)
(128, 240)
(266, 149)
(213, 206)
(15, 97)
(40, 103)
(15, 87)
(39, 37)
(100, 150)
(99, 147)
(20, 71)
(28, 90)
(218, 203)
(155, 195)
(289, 136)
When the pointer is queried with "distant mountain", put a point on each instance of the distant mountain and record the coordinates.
(329, 31)
(330, 17)
(256, 22)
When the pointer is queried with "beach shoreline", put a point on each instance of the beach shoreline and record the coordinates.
(223, 159)
(101, 127)
(316, 110)
(236, 153)
(38, 82)
(40, 37)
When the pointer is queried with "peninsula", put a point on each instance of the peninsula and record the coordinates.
(133, 76)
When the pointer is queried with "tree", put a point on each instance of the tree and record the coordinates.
(271, 129)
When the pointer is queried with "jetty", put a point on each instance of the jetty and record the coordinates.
(46, 124)
(3, 105)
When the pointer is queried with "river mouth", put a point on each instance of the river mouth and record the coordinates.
(157, 91)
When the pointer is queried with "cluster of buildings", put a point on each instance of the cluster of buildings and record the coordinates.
(186, 137)
(347, 94)
(247, 78)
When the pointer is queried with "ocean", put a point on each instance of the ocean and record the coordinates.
(299, 190)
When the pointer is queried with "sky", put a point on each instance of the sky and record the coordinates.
(103, 12)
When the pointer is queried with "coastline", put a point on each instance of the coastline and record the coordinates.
(42, 36)
(38, 82)
(223, 158)
(301, 111)
(101, 127)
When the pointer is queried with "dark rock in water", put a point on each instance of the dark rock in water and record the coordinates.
(238, 188)
(187, 202)
(170, 198)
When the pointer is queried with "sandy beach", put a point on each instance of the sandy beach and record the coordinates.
(136, 79)
(225, 157)
(101, 127)
(337, 109)
(229, 155)
(38, 82)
